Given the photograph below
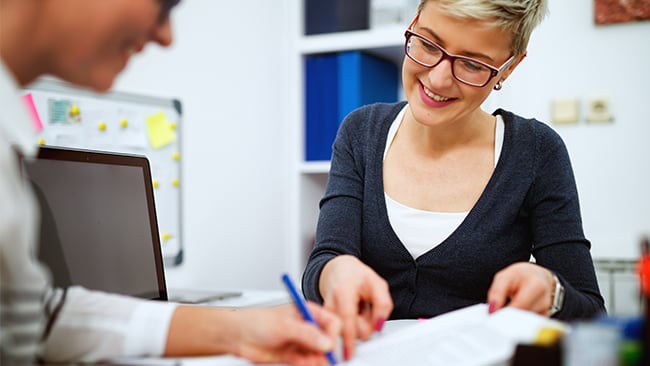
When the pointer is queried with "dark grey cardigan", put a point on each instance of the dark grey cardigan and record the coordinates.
(530, 206)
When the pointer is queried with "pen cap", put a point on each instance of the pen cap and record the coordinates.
(644, 267)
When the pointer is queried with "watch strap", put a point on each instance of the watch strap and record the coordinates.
(557, 297)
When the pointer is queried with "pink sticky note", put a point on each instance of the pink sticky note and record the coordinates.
(36, 120)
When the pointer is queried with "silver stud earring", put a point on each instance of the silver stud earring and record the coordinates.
(498, 85)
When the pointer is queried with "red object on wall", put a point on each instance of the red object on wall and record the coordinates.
(620, 11)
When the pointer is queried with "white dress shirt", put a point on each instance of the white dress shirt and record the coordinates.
(78, 325)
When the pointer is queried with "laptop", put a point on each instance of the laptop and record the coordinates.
(98, 224)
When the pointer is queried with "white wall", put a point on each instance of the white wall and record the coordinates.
(234, 131)
(233, 137)
(569, 56)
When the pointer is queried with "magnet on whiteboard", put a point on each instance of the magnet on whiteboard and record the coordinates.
(102, 126)
(166, 236)
(41, 141)
(154, 183)
(176, 182)
(74, 110)
(124, 123)
(176, 156)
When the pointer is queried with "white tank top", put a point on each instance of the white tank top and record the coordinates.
(421, 231)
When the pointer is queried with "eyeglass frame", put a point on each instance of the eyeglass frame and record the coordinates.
(451, 57)
(166, 7)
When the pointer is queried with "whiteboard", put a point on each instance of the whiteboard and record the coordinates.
(67, 116)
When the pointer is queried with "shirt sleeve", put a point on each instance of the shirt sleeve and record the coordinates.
(559, 241)
(23, 280)
(339, 222)
(91, 326)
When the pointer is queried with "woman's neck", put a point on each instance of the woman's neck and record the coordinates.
(477, 128)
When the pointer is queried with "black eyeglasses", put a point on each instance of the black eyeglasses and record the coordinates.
(464, 69)
(166, 8)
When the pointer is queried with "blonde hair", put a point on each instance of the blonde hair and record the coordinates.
(519, 17)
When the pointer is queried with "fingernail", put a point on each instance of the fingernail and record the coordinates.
(325, 344)
(346, 354)
(380, 324)
(491, 307)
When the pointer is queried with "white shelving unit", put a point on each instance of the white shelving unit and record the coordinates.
(308, 180)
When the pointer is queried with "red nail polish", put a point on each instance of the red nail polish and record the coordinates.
(380, 324)
(346, 354)
(491, 307)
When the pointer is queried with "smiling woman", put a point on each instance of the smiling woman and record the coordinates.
(433, 204)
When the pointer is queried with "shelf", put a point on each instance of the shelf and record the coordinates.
(387, 42)
(309, 178)
(315, 167)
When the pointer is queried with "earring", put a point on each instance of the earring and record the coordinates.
(498, 85)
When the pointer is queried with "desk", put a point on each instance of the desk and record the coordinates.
(253, 298)
(468, 336)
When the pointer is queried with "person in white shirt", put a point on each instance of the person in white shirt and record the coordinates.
(88, 43)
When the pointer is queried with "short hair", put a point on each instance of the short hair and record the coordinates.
(519, 17)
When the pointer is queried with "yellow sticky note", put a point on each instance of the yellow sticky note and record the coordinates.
(159, 130)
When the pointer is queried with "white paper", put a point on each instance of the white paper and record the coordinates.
(466, 337)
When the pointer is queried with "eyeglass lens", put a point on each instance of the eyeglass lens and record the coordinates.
(429, 54)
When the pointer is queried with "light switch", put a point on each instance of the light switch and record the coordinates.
(565, 111)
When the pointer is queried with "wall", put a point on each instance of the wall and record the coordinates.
(569, 56)
(233, 141)
(236, 167)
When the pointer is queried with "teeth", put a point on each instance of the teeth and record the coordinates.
(435, 97)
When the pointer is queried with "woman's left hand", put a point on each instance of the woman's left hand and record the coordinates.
(522, 285)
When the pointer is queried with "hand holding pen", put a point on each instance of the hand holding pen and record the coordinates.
(302, 307)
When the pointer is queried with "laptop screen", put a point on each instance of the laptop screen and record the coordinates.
(98, 221)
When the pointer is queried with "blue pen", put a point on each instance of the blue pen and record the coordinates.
(302, 306)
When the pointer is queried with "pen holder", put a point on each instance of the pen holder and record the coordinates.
(538, 355)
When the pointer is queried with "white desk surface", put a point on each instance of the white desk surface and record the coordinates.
(251, 298)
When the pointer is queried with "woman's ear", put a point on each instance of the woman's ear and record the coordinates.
(513, 65)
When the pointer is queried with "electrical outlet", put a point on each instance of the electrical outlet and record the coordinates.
(598, 110)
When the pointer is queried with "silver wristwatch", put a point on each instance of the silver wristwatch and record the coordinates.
(558, 297)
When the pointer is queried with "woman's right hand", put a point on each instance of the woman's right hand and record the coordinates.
(358, 295)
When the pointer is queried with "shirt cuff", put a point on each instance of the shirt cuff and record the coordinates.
(148, 328)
